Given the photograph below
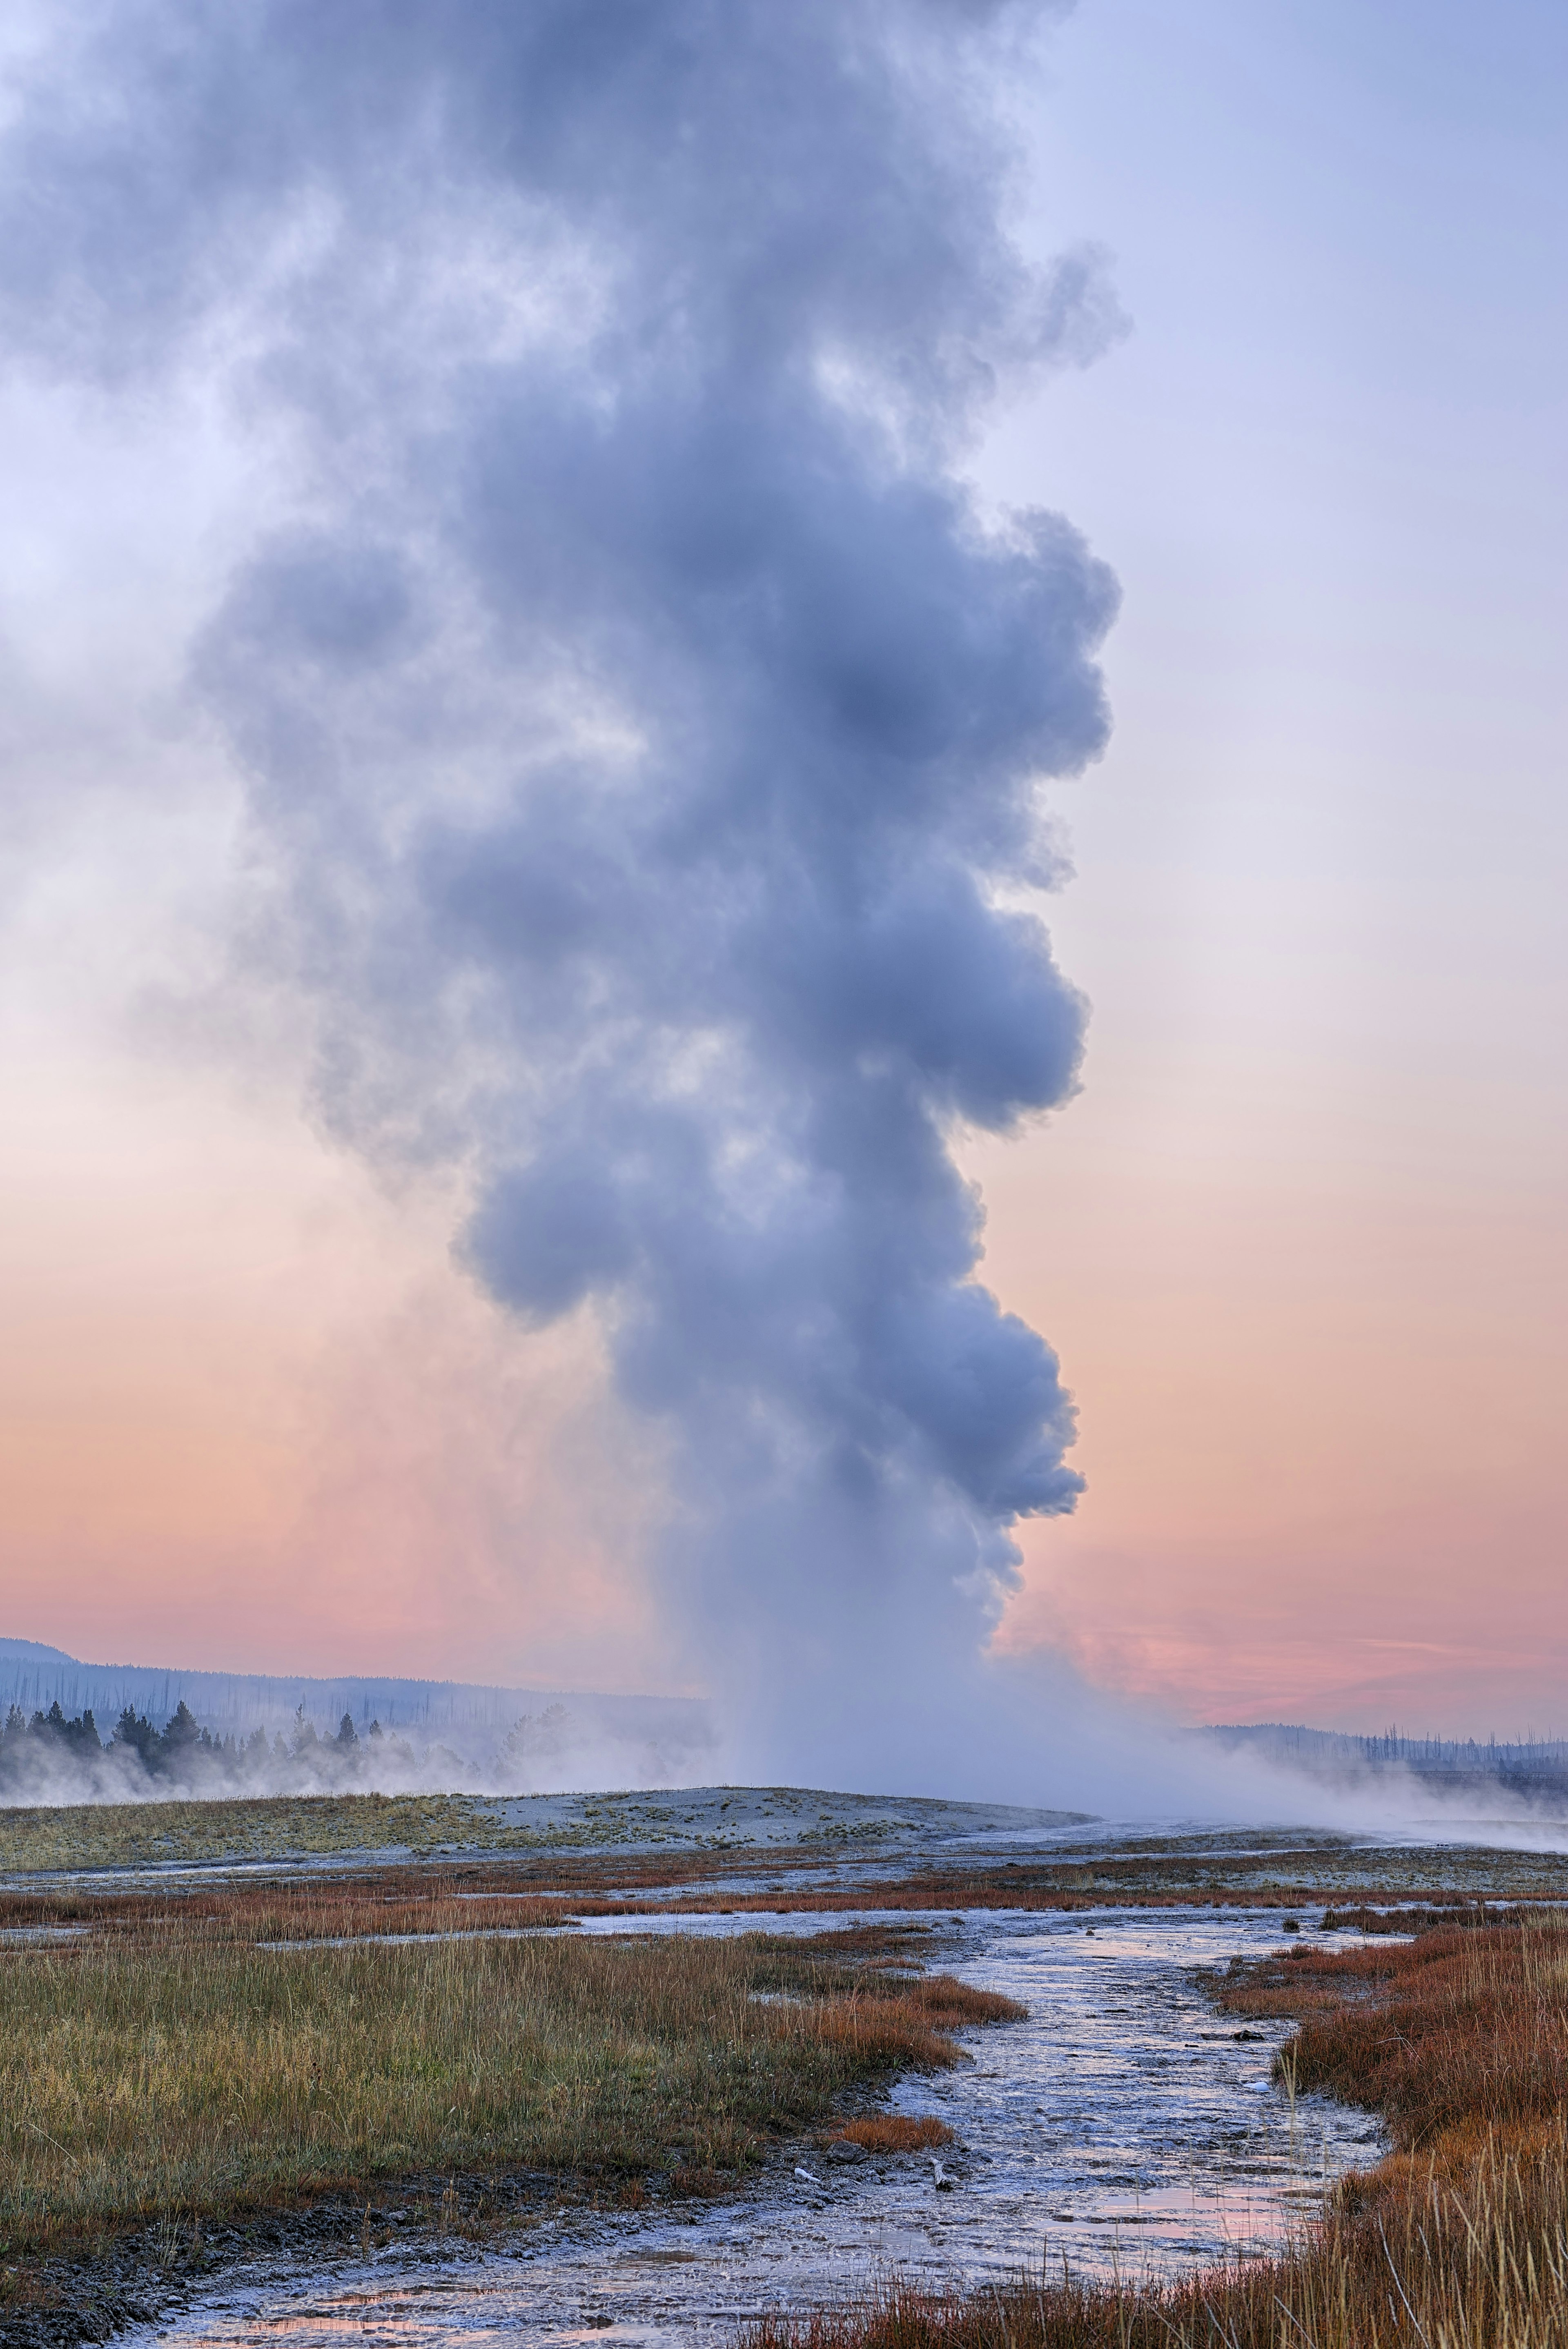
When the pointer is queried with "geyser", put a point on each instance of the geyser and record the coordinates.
(644, 721)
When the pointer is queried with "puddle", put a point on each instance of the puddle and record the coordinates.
(1122, 2128)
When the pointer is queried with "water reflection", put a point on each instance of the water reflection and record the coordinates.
(1124, 2127)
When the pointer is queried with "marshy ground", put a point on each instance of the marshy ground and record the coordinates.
(290, 2044)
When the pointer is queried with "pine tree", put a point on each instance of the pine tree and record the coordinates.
(133, 1729)
(182, 1735)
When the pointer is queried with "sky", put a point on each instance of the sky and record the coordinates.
(1296, 1239)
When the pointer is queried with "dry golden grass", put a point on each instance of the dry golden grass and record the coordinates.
(166, 2064)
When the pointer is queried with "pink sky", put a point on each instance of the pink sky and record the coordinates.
(1300, 1241)
(252, 1417)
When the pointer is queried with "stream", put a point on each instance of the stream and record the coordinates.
(1125, 2128)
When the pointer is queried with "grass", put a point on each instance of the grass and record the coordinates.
(1186, 1873)
(195, 1833)
(166, 2067)
(142, 1835)
(1458, 2240)
(1460, 2038)
(198, 1833)
(163, 2070)
(896, 2132)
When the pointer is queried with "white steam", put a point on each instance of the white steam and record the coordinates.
(644, 729)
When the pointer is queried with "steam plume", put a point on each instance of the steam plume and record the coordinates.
(644, 724)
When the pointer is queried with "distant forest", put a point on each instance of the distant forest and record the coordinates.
(1531, 1768)
(51, 1757)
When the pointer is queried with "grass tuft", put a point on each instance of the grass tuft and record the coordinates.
(897, 2132)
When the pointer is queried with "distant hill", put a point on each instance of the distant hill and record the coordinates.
(1535, 1769)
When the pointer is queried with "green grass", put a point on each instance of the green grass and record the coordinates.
(143, 1834)
(288, 1827)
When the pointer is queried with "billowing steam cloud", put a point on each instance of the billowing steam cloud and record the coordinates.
(644, 723)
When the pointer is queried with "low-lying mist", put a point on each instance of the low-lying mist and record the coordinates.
(52, 1759)
(1092, 1757)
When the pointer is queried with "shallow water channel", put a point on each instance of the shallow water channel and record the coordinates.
(1125, 2128)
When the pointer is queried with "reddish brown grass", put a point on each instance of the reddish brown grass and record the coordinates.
(701, 2185)
(897, 2132)
(1460, 2240)
(543, 1888)
(906, 2025)
(950, 2002)
(1410, 1917)
(1460, 2037)
(1488, 2273)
